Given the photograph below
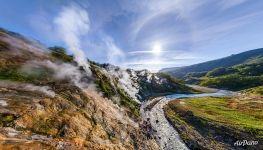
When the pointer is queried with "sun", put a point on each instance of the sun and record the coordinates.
(157, 48)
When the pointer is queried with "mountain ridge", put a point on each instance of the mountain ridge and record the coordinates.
(228, 61)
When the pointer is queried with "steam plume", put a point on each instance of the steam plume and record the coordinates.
(71, 23)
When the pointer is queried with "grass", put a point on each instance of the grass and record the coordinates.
(254, 91)
(221, 110)
(233, 82)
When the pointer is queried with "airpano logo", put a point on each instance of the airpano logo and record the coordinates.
(245, 142)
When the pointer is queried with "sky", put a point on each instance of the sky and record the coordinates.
(140, 34)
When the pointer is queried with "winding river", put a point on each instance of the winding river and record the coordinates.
(165, 134)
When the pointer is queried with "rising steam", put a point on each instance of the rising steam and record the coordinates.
(71, 23)
(28, 87)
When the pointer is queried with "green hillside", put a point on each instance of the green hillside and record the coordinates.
(236, 72)
(238, 77)
(229, 61)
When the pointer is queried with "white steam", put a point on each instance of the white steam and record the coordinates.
(71, 23)
(61, 71)
(28, 87)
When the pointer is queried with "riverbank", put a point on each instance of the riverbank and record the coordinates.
(160, 129)
(217, 122)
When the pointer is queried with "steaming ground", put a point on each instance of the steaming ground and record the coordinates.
(28, 87)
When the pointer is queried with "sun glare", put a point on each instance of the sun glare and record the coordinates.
(157, 48)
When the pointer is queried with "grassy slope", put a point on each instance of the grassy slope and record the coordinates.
(212, 120)
(254, 91)
(210, 65)
(237, 77)
(236, 72)
(222, 110)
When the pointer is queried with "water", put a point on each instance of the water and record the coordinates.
(218, 93)
(166, 135)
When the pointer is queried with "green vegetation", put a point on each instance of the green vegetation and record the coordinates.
(221, 110)
(241, 114)
(169, 78)
(128, 102)
(103, 82)
(237, 77)
(14, 73)
(6, 119)
(60, 53)
(111, 89)
(252, 56)
(250, 69)
(254, 91)
(236, 72)
(233, 81)
(216, 122)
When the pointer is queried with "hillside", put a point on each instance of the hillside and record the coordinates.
(202, 68)
(236, 72)
(218, 122)
(48, 101)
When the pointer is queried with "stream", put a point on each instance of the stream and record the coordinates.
(166, 135)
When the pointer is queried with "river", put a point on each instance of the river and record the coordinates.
(164, 132)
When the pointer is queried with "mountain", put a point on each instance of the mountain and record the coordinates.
(48, 101)
(202, 68)
(236, 72)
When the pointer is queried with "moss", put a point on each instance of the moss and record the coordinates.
(7, 119)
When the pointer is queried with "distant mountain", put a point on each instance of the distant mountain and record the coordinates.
(236, 72)
(202, 68)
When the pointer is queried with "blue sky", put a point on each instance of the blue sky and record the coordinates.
(140, 34)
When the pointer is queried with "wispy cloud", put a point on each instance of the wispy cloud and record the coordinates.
(123, 32)
(114, 54)
(225, 4)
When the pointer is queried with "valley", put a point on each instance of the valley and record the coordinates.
(49, 101)
(131, 75)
